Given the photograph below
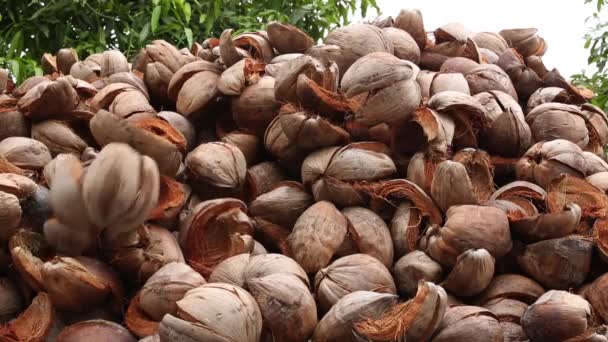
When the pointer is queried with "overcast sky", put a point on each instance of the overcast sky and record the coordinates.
(561, 23)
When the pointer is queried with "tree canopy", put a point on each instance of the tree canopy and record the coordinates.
(596, 41)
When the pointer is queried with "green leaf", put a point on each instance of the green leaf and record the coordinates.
(165, 7)
(155, 18)
(188, 33)
(217, 7)
(202, 18)
(38, 12)
(187, 12)
(16, 44)
(144, 33)
(364, 5)
(101, 36)
(16, 70)
(209, 21)
(45, 30)
(38, 71)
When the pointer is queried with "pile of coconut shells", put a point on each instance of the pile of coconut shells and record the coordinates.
(389, 184)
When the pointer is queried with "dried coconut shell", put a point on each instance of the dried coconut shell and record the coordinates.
(405, 228)
(459, 233)
(142, 252)
(212, 233)
(94, 329)
(158, 296)
(488, 77)
(10, 215)
(468, 323)
(228, 313)
(468, 179)
(18, 185)
(107, 128)
(120, 188)
(599, 180)
(29, 251)
(566, 189)
(405, 46)
(216, 167)
(558, 263)
(372, 84)
(112, 62)
(470, 117)
(594, 163)
(317, 235)
(547, 95)
(552, 121)
(248, 143)
(359, 40)
(13, 124)
(171, 199)
(357, 272)
(411, 22)
(256, 106)
(546, 161)
(512, 286)
(49, 99)
(596, 295)
(555, 307)
(461, 65)
(25, 153)
(427, 130)
(137, 321)
(577, 95)
(106, 96)
(160, 51)
(491, 41)
(386, 195)
(449, 82)
(415, 319)
(34, 324)
(235, 79)
(287, 38)
(295, 316)
(471, 274)
(89, 282)
(525, 40)
(367, 234)
(262, 178)
(508, 135)
(239, 269)
(337, 325)
(413, 268)
(158, 77)
(597, 125)
(330, 171)
(58, 137)
(308, 131)
(282, 205)
(545, 226)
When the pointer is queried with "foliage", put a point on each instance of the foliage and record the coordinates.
(596, 41)
(29, 28)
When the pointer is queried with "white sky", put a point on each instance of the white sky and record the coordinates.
(561, 23)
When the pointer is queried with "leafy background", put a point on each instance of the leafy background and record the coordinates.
(30, 28)
(596, 41)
